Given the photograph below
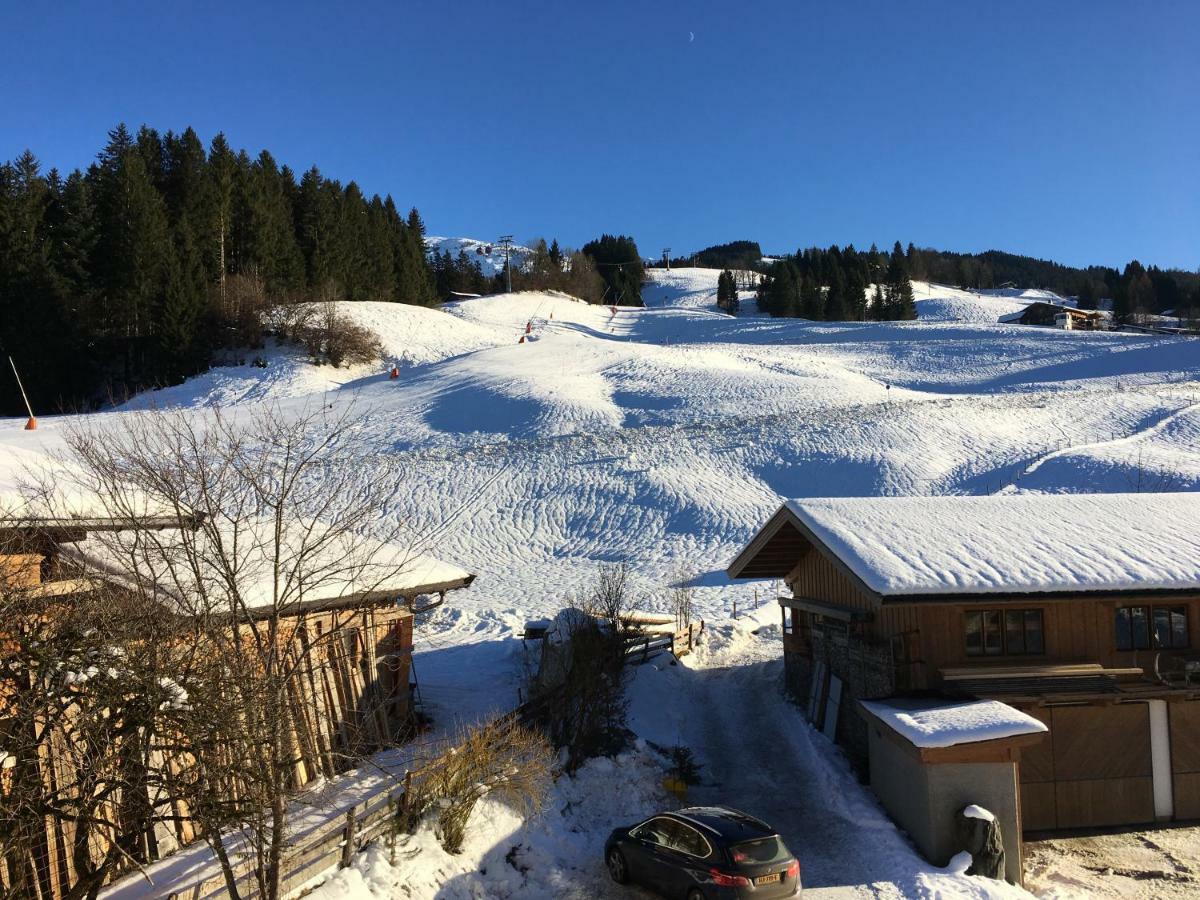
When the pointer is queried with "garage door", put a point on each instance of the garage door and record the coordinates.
(1094, 770)
(1185, 758)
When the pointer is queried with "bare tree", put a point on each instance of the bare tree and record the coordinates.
(276, 515)
(579, 693)
(82, 700)
(683, 598)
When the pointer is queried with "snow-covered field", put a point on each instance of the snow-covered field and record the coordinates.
(663, 437)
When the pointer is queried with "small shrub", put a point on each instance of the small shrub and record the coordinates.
(495, 759)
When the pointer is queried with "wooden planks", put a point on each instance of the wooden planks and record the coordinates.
(1038, 809)
(1093, 769)
(1187, 795)
(1185, 758)
(1093, 803)
(1086, 739)
(349, 695)
(1185, 736)
(20, 570)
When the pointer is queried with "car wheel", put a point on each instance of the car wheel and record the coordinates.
(695, 894)
(617, 866)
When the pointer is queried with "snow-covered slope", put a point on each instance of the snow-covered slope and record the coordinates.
(689, 288)
(488, 254)
(665, 437)
(941, 303)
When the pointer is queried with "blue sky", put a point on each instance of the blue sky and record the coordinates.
(1064, 130)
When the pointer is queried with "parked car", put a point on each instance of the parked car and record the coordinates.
(704, 853)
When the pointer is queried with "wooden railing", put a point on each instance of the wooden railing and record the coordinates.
(326, 847)
(642, 646)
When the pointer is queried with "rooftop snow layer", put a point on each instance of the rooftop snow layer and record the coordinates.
(313, 565)
(1012, 543)
(955, 723)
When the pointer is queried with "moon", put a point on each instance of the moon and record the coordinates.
(691, 36)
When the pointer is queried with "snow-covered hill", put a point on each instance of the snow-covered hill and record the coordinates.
(488, 254)
(686, 287)
(696, 288)
(664, 437)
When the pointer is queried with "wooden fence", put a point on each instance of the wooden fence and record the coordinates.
(325, 848)
(642, 646)
(333, 844)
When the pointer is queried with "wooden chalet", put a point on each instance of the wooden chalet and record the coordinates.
(352, 696)
(1082, 611)
(1054, 315)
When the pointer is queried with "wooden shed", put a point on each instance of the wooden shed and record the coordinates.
(350, 697)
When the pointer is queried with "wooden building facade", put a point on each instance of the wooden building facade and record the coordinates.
(350, 695)
(1113, 672)
(1054, 315)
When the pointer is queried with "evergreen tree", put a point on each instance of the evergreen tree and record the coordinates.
(222, 167)
(620, 265)
(812, 299)
(1086, 296)
(727, 297)
(133, 254)
(835, 298)
(877, 311)
(181, 345)
(110, 273)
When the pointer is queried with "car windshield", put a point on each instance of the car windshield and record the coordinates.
(763, 850)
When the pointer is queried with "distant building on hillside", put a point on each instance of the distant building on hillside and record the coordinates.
(1053, 315)
(1078, 612)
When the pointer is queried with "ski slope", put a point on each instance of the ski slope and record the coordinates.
(689, 288)
(696, 288)
(664, 437)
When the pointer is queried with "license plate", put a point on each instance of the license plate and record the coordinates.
(768, 879)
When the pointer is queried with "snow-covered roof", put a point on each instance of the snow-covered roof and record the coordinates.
(939, 724)
(41, 491)
(1006, 544)
(312, 567)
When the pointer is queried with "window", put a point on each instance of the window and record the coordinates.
(656, 831)
(688, 840)
(1152, 627)
(1010, 632)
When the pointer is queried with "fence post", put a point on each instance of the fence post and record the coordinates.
(348, 837)
(391, 832)
(735, 607)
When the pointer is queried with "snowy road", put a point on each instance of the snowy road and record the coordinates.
(759, 755)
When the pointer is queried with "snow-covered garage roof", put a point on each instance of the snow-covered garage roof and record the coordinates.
(933, 724)
(1002, 544)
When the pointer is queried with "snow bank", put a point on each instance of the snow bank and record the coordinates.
(1013, 543)
(955, 723)
(559, 853)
